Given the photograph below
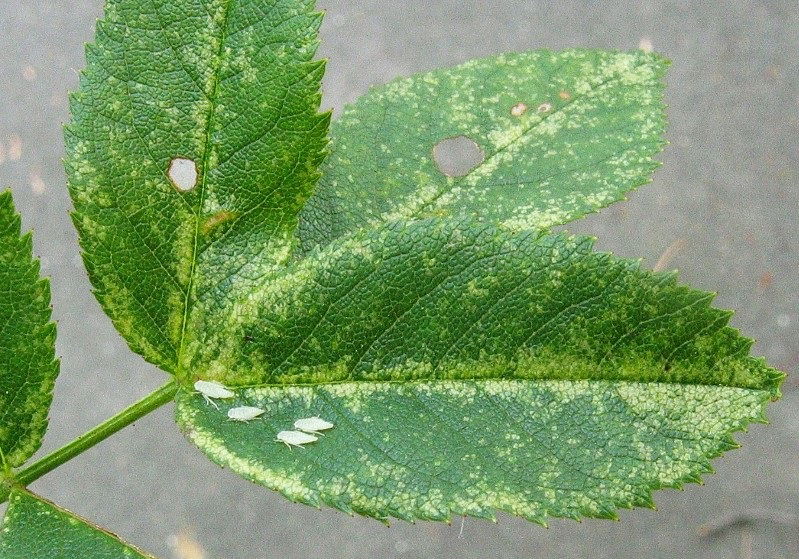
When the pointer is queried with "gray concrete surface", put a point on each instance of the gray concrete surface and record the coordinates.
(728, 189)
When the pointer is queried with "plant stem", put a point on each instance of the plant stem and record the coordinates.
(104, 430)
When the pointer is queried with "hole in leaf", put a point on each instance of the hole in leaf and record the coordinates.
(456, 157)
(183, 174)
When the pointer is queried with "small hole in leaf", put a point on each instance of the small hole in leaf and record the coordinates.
(456, 157)
(183, 174)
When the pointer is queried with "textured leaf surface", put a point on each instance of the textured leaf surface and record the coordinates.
(28, 367)
(562, 134)
(431, 450)
(530, 357)
(37, 529)
(229, 85)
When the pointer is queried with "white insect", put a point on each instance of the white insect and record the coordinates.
(295, 438)
(313, 425)
(210, 389)
(244, 413)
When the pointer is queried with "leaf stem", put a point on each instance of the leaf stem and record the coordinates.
(98, 434)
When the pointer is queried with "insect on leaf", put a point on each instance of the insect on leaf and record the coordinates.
(556, 135)
(193, 145)
(34, 528)
(28, 367)
(469, 369)
(296, 438)
(313, 425)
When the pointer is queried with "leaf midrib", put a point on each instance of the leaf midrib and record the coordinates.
(477, 379)
(204, 161)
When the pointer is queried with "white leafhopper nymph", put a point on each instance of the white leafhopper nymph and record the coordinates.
(244, 413)
(295, 438)
(313, 425)
(210, 389)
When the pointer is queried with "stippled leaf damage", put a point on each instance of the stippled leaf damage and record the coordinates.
(229, 86)
(468, 361)
(562, 134)
(28, 367)
(469, 369)
(34, 528)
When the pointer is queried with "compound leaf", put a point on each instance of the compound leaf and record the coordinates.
(561, 134)
(34, 528)
(469, 362)
(194, 142)
(468, 369)
(28, 367)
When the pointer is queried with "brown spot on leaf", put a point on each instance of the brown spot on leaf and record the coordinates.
(216, 220)
(518, 109)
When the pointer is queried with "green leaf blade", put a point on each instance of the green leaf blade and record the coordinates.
(34, 528)
(230, 86)
(436, 449)
(592, 120)
(434, 300)
(406, 335)
(28, 366)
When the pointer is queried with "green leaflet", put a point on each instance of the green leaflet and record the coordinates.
(562, 133)
(229, 85)
(433, 450)
(28, 367)
(443, 300)
(478, 344)
(34, 528)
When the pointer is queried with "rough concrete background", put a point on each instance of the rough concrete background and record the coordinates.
(728, 189)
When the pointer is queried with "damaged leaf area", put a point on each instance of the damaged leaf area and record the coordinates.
(563, 134)
(194, 143)
(34, 528)
(468, 368)
(28, 367)
(461, 359)
(434, 450)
